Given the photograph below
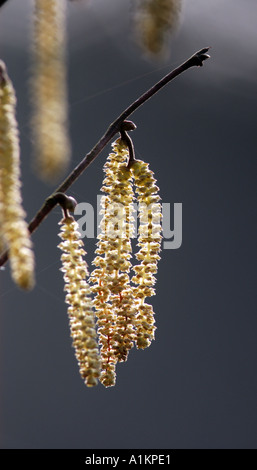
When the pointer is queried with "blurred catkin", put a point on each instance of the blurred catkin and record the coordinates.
(14, 231)
(80, 310)
(48, 86)
(155, 20)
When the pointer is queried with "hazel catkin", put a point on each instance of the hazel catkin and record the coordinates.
(14, 230)
(78, 297)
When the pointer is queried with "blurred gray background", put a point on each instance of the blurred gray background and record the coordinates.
(196, 386)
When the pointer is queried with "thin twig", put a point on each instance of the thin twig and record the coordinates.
(124, 128)
(195, 61)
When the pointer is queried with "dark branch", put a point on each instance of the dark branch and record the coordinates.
(2, 2)
(195, 61)
(125, 127)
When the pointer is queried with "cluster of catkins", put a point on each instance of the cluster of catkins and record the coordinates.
(116, 298)
(108, 311)
(111, 294)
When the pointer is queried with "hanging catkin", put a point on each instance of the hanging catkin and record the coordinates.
(49, 89)
(149, 242)
(14, 231)
(80, 310)
(114, 302)
(155, 20)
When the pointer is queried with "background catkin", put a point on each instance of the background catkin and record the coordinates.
(80, 310)
(14, 232)
(49, 89)
(155, 20)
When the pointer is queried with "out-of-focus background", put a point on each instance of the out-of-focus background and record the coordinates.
(196, 386)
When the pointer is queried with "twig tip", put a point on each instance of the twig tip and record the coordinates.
(201, 56)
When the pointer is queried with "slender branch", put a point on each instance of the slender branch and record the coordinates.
(195, 61)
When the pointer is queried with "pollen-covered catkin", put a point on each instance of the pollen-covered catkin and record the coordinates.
(49, 89)
(80, 310)
(114, 303)
(14, 231)
(155, 19)
(149, 242)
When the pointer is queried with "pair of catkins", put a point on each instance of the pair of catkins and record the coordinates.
(110, 293)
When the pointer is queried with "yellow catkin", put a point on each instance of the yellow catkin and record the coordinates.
(14, 231)
(49, 89)
(114, 302)
(80, 310)
(2, 242)
(149, 241)
(155, 19)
